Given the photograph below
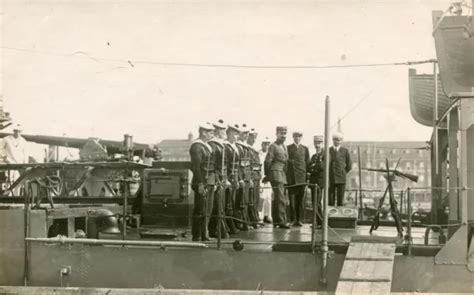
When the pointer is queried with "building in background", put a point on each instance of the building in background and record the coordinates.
(415, 159)
(176, 149)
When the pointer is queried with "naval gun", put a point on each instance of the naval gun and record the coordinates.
(95, 149)
(160, 190)
(83, 180)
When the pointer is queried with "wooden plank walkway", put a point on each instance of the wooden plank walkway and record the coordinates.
(368, 267)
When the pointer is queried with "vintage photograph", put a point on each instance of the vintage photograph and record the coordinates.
(236, 147)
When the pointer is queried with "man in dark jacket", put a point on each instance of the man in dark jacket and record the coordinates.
(233, 162)
(275, 166)
(218, 149)
(340, 164)
(256, 165)
(246, 183)
(204, 180)
(298, 159)
(316, 177)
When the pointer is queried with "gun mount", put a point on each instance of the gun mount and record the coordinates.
(390, 176)
(95, 149)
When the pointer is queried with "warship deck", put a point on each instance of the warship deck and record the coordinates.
(267, 237)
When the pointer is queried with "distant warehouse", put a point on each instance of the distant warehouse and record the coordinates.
(415, 159)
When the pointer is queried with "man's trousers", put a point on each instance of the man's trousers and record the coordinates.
(297, 205)
(336, 190)
(279, 203)
(203, 205)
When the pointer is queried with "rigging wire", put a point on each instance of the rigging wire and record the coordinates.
(359, 102)
(132, 62)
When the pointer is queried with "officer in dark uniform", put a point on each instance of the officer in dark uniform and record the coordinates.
(339, 165)
(204, 180)
(218, 148)
(245, 183)
(316, 177)
(256, 165)
(233, 177)
(298, 159)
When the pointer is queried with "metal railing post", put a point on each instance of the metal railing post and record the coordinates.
(324, 243)
(361, 206)
(408, 237)
(125, 205)
(219, 217)
(26, 209)
(401, 204)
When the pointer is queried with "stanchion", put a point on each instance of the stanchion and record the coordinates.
(401, 204)
(315, 214)
(28, 197)
(219, 217)
(408, 237)
(324, 242)
(125, 205)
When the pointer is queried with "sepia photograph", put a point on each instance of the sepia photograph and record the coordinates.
(236, 147)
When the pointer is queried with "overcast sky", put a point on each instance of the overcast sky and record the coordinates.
(70, 74)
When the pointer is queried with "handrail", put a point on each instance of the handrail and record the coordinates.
(161, 244)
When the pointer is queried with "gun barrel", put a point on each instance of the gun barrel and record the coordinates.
(71, 142)
(408, 176)
(373, 169)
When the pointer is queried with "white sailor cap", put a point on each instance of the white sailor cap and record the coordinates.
(253, 131)
(206, 126)
(234, 127)
(266, 140)
(244, 128)
(17, 127)
(219, 124)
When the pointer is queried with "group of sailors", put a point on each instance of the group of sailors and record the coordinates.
(233, 181)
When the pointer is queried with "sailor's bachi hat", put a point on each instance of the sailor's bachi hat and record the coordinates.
(206, 126)
(244, 128)
(219, 124)
(234, 127)
(266, 140)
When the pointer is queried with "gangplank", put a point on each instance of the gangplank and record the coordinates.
(368, 266)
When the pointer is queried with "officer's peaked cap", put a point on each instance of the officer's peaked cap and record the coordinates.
(318, 138)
